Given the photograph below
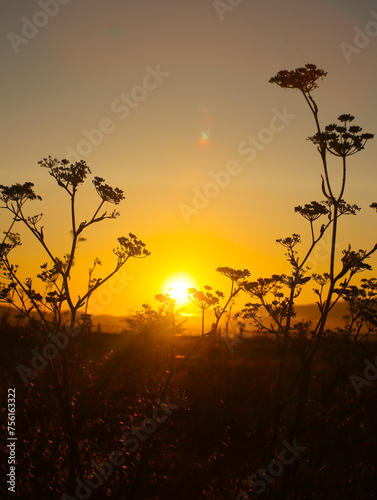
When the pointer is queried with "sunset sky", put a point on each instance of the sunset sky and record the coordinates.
(177, 88)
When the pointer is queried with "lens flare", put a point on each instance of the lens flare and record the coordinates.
(204, 136)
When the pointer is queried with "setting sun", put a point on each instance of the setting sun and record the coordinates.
(177, 284)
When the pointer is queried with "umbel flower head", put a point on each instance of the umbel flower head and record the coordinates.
(354, 261)
(234, 274)
(346, 208)
(106, 192)
(206, 299)
(321, 279)
(66, 175)
(341, 139)
(303, 79)
(262, 286)
(166, 300)
(312, 211)
(130, 247)
(10, 241)
(290, 242)
(18, 193)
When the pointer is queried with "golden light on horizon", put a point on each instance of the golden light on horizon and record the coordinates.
(177, 284)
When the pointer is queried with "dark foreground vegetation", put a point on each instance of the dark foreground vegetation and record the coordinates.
(218, 435)
(150, 414)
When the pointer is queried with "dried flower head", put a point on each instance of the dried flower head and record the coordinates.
(204, 300)
(290, 241)
(18, 193)
(312, 211)
(106, 192)
(321, 279)
(68, 175)
(10, 241)
(166, 300)
(354, 261)
(341, 140)
(233, 274)
(262, 286)
(303, 79)
(130, 247)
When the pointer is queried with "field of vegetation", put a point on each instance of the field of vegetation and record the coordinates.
(218, 435)
(151, 413)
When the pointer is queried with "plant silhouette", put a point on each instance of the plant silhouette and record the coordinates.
(236, 397)
(48, 318)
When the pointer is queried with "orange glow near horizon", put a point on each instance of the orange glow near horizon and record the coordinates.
(177, 284)
(207, 181)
